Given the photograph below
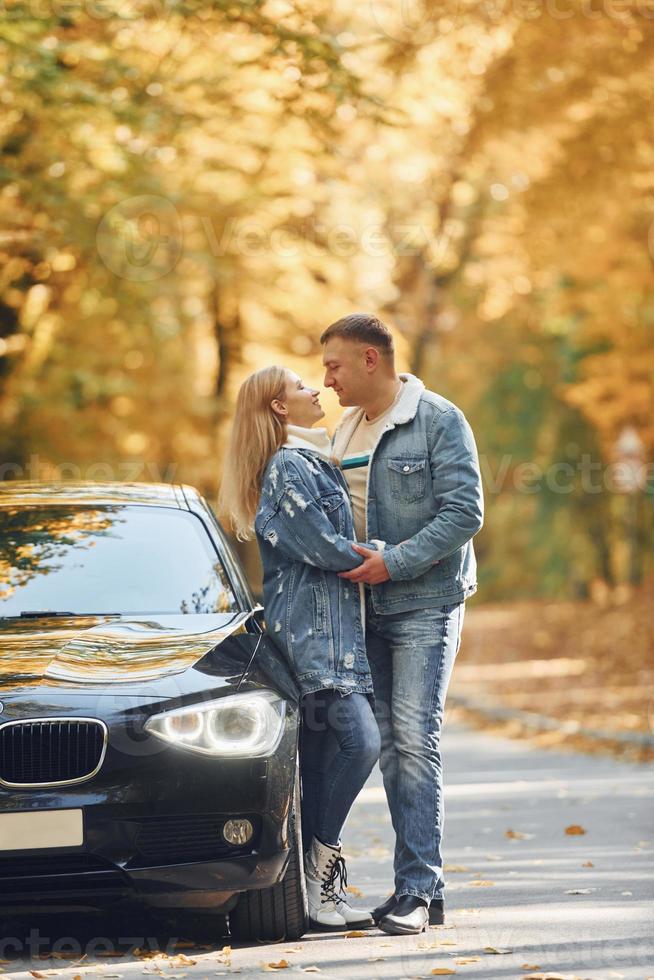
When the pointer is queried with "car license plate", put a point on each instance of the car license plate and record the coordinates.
(45, 828)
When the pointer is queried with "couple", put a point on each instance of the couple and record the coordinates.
(367, 560)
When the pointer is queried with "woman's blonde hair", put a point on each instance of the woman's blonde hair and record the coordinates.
(257, 433)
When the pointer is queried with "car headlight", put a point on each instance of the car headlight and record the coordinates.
(249, 724)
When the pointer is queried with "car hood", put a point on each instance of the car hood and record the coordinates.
(99, 651)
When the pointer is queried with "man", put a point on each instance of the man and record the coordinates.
(411, 463)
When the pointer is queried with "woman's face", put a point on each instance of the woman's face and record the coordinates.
(300, 405)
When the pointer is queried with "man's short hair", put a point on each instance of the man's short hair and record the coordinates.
(363, 328)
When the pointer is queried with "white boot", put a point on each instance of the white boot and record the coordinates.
(322, 866)
(328, 908)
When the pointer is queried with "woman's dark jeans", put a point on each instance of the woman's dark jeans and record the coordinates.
(339, 745)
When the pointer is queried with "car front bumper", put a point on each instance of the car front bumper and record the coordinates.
(153, 821)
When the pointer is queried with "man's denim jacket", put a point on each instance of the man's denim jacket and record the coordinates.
(425, 500)
(305, 529)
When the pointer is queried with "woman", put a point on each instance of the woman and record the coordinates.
(282, 484)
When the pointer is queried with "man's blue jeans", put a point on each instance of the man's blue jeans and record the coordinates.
(411, 657)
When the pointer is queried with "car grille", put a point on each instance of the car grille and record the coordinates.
(54, 750)
(58, 875)
(187, 838)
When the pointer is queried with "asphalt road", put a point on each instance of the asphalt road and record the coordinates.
(533, 902)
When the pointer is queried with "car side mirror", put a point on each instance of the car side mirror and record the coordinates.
(259, 617)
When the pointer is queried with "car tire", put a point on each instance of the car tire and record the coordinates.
(278, 912)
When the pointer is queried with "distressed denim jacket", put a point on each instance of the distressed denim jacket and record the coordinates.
(425, 500)
(305, 529)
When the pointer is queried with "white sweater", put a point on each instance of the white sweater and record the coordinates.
(317, 440)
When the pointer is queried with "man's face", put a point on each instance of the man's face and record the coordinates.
(345, 369)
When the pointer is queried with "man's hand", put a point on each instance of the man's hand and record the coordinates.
(373, 570)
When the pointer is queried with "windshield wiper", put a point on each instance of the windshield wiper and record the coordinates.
(45, 613)
(37, 613)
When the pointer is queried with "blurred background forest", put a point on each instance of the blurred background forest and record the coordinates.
(191, 190)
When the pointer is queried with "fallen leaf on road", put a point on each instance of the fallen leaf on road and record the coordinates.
(481, 883)
(588, 864)
(353, 890)
(492, 949)
(441, 971)
(144, 954)
(530, 966)
(552, 976)
(281, 965)
(378, 959)
(310, 969)
(455, 868)
(355, 934)
(181, 959)
(293, 949)
(574, 828)
(579, 891)
(226, 954)
(467, 959)
(515, 835)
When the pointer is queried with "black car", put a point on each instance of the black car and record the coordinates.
(148, 727)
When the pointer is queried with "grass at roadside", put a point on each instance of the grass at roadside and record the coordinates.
(585, 665)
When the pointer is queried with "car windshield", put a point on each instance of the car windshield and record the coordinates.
(109, 559)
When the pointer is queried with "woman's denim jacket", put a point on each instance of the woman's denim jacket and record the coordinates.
(305, 530)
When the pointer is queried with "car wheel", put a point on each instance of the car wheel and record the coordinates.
(278, 912)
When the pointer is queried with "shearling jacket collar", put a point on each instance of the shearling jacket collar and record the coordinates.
(404, 411)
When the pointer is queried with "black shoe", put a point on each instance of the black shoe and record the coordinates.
(410, 916)
(382, 910)
(436, 912)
